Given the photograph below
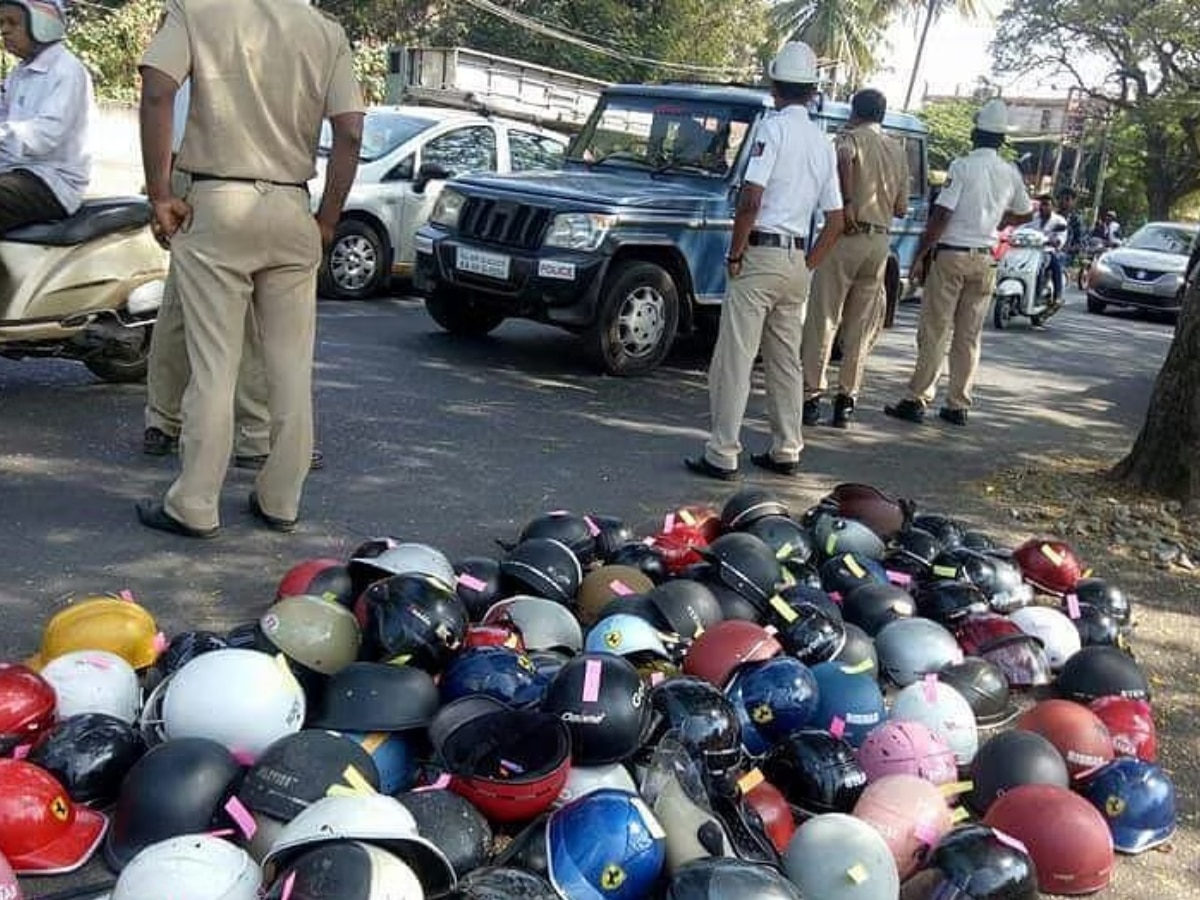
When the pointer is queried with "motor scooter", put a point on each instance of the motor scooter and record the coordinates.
(86, 287)
(1023, 283)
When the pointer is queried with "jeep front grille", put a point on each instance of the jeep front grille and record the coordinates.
(503, 222)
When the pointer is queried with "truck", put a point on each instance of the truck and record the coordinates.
(623, 246)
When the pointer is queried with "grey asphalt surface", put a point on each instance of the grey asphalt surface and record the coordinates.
(458, 442)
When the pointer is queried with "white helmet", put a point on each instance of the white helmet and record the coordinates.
(94, 681)
(348, 870)
(243, 699)
(838, 856)
(944, 711)
(1058, 634)
(585, 779)
(911, 648)
(795, 63)
(375, 818)
(993, 117)
(47, 19)
(190, 867)
(402, 559)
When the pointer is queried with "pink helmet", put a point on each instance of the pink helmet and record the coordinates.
(905, 747)
(10, 888)
(909, 813)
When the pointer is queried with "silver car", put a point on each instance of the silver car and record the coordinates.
(1146, 272)
(407, 154)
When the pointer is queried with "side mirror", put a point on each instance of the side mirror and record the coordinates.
(427, 173)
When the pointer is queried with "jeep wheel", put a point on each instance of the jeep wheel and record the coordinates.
(357, 264)
(636, 321)
(461, 315)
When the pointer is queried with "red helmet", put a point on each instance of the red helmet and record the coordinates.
(1000, 640)
(328, 578)
(1075, 731)
(1067, 837)
(27, 705)
(41, 831)
(705, 518)
(493, 636)
(1049, 565)
(716, 653)
(678, 546)
(1130, 724)
(774, 812)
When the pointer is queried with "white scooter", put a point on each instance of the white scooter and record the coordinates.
(87, 287)
(1023, 283)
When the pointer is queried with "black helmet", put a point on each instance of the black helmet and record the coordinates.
(796, 594)
(745, 564)
(299, 769)
(984, 686)
(576, 533)
(413, 618)
(611, 533)
(949, 602)
(999, 580)
(453, 824)
(646, 558)
(246, 636)
(1011, 758)
(809, 632)
(871, 606)
(684, 607)
(543, 567)
(727, 878)
(984, 543)
(177, 788)
(748, 505)
(703, 720)
(815, 771)
(804, 574)
(504, 883)
(1100, 671)
(1099, 592)
(477, 584)
(1097, 625)
(914, 552)
(733, 603)
(89, 754)
(948, 532)
(527, 850)
(787, 538)
(602, 699)
(858, 651)
(847, 571)
(972, 862)
(343, 870)
(183, 648)
(368, 696)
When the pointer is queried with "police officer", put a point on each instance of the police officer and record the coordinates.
(792, 172)
(982, 192)
(848, 290)
(264, 73)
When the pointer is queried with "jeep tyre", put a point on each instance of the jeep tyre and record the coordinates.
(636, 320)
(459, 314)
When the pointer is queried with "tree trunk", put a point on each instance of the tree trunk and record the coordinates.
(1165, 459)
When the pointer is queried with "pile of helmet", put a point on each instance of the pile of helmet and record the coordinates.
(744, 703)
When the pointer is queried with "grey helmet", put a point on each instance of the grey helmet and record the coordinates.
(836, 535)
(909, 649)
(543, 624)
(837, 855)
(406, 558)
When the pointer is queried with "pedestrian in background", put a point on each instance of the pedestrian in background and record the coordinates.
(848, 291)
(264, 73)
(792, 173)
(983, 192)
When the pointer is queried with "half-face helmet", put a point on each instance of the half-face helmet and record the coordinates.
(1011, 758)
(94, 681)
(729, 878)
(1101, 593)
(541, 623)
(1099, 671)
(910, 814)
(577, 533)
(872, 606)
(773, 699)
(787, 538)
(745, 564)
(817, 772)
(499, 672)
(944, 711)
(808, 632)
(27, 705)
(647, 558)
(836, 855)
(1097, 626)
(1050, 565)
(1004, 586)
(748, 506)
(1074, 730)
(999, 639)
(196, 866)
(186, 646)
(611, 532)
(325, 578)
(543, 567)
(974, 862)
(702, 719)
(717, 653)
(454, 824)
(858, 651)
(899, 746)
(604, 703)
(949, 533)
(949, 602)
(606, 585)
(1131, 725)
(1137, 799)
(411, 618)
(985, 688)
(838, 535)
(883, 514)
(477, 583)
(402, 558)
(370, 697)
(347, 870)
(909, 649)
(685, 607)
(316, 634)
(625, 635)
(42, 832)
(89, 754)
(846, 571)
(1056, 632)
(850, 702)
(913, 552)
(503, 883)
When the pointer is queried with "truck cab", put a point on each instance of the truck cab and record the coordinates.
(625, 244)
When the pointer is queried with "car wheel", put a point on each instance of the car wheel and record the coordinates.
(637, 319)
(461, 315)
(357, 263)
(1094, 305)
(1081, 280)
(1001, 312)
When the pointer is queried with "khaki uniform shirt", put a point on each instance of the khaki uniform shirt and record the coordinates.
(264, 73)
(880, 173)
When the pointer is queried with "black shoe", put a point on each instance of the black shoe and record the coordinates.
(812, 411)
(156, 442)
(843, 409)
(908, 410)
(284, 526)
(766, 461)
(953, 416)
(701, 466)
(152, 514)
(257, 462)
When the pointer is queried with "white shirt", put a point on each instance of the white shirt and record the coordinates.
(1054, 227)
(796, 166)
(45, 106)
(179, 114)
(980, 188)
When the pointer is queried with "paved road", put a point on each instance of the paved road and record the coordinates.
(457, 443)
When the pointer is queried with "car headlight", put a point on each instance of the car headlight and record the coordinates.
(578, 231)
(448, 208)
(1104, 267)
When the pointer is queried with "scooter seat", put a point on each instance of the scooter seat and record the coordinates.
(94, 219)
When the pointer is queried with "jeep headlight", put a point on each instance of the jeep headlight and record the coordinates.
(448, 208)
(578, 231)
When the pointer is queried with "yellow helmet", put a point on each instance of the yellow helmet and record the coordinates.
(108, 623)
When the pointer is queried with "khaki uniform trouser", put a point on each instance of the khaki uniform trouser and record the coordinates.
(847, 291)
(249, 245)
(958, 292)
(763, 308)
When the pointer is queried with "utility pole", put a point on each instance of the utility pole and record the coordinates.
(930, 12)
(1099, 196)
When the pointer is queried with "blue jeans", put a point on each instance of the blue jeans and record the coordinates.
(1056, 273)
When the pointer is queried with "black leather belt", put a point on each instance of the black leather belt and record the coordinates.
(868, 228)
(204, 176)
(771, 239)
(950, 248)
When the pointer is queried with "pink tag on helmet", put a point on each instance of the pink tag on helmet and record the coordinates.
(669, 522)
(241, 817)
(837, 727)
(243, 757)
(620, 588)
(900, 579)
(289, 884)
(836, 597)
(126, 594)
(657, 678)
(470, 582)
(99, 662)
(160, 643)
(1073, 605)
(926, 834)
(592, 670)
(21, 751)
(592, 527)
(930, 687)
(443, 782)
(1009, 841)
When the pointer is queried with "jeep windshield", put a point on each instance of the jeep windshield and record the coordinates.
(383, 132)
(664, 134)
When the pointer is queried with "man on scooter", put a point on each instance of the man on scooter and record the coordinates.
(45, 105)
(1055, 228)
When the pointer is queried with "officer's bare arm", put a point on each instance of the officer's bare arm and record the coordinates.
(343, 165)
(155, 115)
(845, 170)
(749, 202)
(835, 224)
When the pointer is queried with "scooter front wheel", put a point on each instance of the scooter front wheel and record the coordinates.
(122, 362)
(1001, 312)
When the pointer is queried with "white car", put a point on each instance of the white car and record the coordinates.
(407, 153)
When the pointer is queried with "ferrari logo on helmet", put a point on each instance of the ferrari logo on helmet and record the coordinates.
(612, 877)
(613, 639)
(526, 663)
(59, 809)
(1114, 806)
(762, 714)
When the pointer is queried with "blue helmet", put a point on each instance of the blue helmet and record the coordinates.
(849, 701)
(773, 699)
(1137, 800)
(606, 845)
(625, 635)
(498, 672)
(395, 758)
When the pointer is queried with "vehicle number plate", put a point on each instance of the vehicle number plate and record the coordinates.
(493, 265)
(1137, 287)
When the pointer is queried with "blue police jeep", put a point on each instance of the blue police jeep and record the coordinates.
(624, 245)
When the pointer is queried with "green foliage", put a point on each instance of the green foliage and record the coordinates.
(110, 39)
(950, 123)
